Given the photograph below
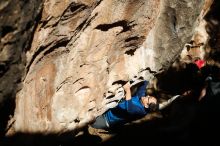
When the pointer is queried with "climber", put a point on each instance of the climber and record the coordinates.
(131, 108)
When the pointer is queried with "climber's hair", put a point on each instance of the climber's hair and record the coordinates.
(154, 107)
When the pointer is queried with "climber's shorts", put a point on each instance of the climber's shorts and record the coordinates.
(100, 123)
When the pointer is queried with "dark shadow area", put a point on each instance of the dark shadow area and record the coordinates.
(213, 28)
(6, 110)
(179, 78)
(66, 139)
(122, 23)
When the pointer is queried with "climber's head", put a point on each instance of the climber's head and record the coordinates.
(150, 103)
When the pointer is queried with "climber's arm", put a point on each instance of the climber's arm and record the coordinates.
(127, 88)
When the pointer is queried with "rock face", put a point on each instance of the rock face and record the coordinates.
(83, 48)
(17, 22)
(16, 28)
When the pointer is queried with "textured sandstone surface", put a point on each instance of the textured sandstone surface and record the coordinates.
(18, 20)
(81, 49)
(16, 29)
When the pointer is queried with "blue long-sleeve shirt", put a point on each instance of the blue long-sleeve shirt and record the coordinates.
(128, 110)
